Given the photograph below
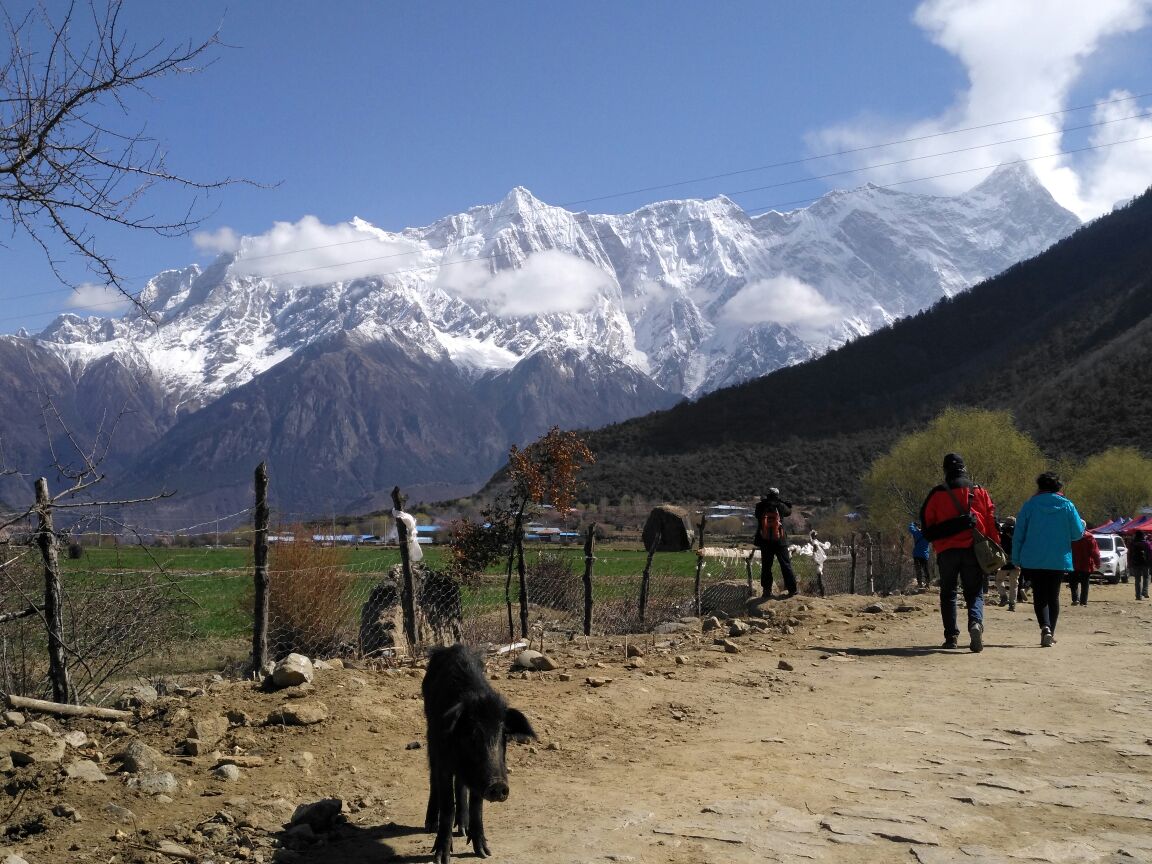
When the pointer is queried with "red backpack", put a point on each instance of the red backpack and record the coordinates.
(771, 528)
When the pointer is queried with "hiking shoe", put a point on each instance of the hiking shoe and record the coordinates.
(1046, 639)
(1011, 607)
(976, 634)
(950, 642)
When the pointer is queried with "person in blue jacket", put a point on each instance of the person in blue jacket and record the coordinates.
(920, 549)
(1046, 527)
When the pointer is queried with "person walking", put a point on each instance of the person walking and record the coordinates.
(772, 542)
(1085, 559)
(1046, 527)
(1140, 563)
(947, 517)
(1009, 573)
(920, 550)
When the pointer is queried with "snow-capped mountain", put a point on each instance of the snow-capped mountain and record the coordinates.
(524, 314)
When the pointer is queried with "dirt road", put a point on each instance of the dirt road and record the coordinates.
(875, 746)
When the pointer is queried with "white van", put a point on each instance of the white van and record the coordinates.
(1113, 558)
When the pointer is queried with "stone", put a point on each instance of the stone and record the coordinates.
(412, 745)
(119, 814)
(13, 858)
(14, 718)
(544, 663)
(241, 761)
(597, 682)
(527, 659)
(196, 747)
(75, 739)
(86, 770)
(292, 671)
(564, 676)
(877, 607)
(209, 729)
(785, 665)
(304, 761)
(167, 847)
(38, 751)
(138, 758)
(737, 628)
(303, 714)
(227, 772)
(730, 647)
(709, 624)
(189, 692)
(319, 815)
(682, 660)
(666, 628)
(237, 717)
(634, 651)
(155, 783)
(136, 695)
(42, 728)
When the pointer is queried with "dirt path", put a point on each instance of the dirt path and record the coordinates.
(876, 746)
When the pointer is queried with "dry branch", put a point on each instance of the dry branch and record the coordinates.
(60, 709)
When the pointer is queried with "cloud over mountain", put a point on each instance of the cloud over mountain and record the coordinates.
(1022, 59)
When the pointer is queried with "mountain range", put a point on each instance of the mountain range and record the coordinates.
(456, 340)
(1061, 341)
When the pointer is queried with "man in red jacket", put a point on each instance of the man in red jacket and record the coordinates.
(1085, 559)
(948, 515)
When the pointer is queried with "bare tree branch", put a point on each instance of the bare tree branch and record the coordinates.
(63, 167)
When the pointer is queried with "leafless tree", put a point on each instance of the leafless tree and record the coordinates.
(65, 167)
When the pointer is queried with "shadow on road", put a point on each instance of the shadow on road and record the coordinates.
(892, 651)
(357, 844)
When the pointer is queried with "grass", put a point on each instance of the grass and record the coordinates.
(218, 581)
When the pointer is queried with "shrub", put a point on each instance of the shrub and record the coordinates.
(311, 609)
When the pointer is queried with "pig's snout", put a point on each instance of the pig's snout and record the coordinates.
(496, 791)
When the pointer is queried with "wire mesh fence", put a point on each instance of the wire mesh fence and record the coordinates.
(133, 616)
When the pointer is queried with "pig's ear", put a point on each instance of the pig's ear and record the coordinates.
(517, 727)
(452, 716)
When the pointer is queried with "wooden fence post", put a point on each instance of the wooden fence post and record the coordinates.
(522, 573)
(407, 587)
(871, 571)
(699, 564)
(53, 595)
(647, 574)
(589, 560)
(263, 587)
(852, 570)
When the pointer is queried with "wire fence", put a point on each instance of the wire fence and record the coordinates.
(138, 616)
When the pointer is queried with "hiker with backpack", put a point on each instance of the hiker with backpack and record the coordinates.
(948, 516)
(1140, 563)
(772, 541)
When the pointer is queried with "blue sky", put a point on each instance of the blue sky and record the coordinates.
(400, 113)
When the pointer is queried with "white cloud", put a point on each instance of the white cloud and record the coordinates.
(548, 282)
(1022, 59)
(783, 300)
(97, 299)
(220, 240)
(309, 252)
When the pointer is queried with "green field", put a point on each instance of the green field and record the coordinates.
(217, 582)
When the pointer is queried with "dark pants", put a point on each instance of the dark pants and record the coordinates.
(920, 565)
(960, 566)
(1078, 582)
(1046, 595)
(778, 552)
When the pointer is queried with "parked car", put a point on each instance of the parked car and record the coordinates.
(1113, 558)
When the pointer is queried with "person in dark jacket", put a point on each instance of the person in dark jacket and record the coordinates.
(948, 515)
(1140, 563)
(1085, 559)
(1046, 527)
(771, 511)
(920, 551)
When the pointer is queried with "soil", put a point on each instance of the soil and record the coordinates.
(836, 735)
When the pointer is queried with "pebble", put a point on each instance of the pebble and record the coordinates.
(597, 682)
(227, 772)
(785, 665)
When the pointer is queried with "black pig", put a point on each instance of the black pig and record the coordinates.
(469, 724)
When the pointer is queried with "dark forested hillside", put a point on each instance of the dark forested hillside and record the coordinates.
(1063, 340)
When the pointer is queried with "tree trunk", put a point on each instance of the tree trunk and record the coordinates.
(53, 596)
(262, 586)
(407, 587)
(589, 560)
(522, 572)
